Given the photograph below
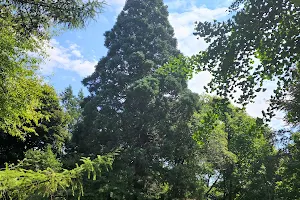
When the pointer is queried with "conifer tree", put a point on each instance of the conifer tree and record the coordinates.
(141, 40)
(134, 107)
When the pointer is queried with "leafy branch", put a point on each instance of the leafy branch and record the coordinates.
(19, 183)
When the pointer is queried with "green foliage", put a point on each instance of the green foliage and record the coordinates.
(45, 178)
(173, 145)
(25, 28)
(38, 16)
(20, 86)
(72, 106)
(291, 105)
(40, 160)
(30, 113)
(289, 184)
(133, 54)
(259, 43)
(180, 65)
(296, 2)
(267, 31)
(50, 129)
(238, 157)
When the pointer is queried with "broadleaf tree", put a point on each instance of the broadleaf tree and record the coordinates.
(26, 26)
(237, 152)
(288, 185)
(258, 43)
(51, 129)
(30, 113)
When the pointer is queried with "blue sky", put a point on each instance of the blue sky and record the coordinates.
(73, 54)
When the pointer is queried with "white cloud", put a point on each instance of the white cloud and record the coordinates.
(77, 53)
(72, 46)
(262, 103)
(199, 80)
(66, 58)
(184, 24)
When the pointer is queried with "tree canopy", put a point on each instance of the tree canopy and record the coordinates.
(259, 43)
(32, 121)
(140, 133)
(40, 175)
(38, 16)
(240, 157)
(20, 85)
(26, 27)
(51, 129)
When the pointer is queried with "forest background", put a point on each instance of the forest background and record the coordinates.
(136, 130)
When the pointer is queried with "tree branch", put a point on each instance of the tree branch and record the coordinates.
(212, 186)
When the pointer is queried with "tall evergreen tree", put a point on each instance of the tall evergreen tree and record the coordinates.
(72, 106)
(145, 113)
(141, 41)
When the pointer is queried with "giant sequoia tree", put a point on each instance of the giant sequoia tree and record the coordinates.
(141, 41)
(133, 107)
